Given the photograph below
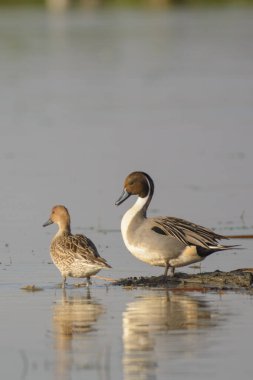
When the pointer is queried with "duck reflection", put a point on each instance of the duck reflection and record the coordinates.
(73, 317)
(161, 323)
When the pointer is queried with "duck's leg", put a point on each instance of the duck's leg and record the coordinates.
(83, 284)
(64, 279)
(167, 266)
(172, 270)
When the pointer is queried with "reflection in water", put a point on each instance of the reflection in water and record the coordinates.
(73, 317)
(169, 323)
(57, 5)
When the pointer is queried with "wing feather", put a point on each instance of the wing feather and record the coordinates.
(78, 247)
(188, 233)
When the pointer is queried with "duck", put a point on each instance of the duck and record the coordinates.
(74, 255)
(167, 242)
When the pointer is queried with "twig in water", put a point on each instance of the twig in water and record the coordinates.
(105, 278)
(239, 236)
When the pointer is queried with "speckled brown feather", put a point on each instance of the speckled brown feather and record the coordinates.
(70, 247)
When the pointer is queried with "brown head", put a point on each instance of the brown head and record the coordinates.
(137, 183)
(59, 215)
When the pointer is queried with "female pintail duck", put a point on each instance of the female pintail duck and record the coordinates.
(73, 255)
(162, 241)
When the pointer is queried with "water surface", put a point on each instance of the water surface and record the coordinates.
(86, 98)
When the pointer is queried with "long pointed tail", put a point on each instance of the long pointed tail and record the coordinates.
(204, 252)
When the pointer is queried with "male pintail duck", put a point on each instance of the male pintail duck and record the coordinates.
(162, 241)
(73, 255)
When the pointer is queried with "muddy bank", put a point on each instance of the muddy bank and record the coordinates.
(241, 278)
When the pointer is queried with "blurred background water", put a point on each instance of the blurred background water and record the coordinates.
(86, 97)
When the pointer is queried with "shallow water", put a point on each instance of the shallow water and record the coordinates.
(85, 99)
(115, 333)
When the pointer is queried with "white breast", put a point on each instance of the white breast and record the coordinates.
(136, 246)
(128, 218)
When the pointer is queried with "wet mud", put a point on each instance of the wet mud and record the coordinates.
(237, 279)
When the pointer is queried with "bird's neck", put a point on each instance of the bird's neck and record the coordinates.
(64, 228)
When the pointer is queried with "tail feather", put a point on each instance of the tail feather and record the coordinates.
(204, 252)
(225, 247)
(106, 265)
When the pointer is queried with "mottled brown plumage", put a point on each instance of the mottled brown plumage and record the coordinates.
(73, 255)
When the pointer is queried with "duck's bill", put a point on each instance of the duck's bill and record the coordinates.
(123, 197)
(48, 223)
